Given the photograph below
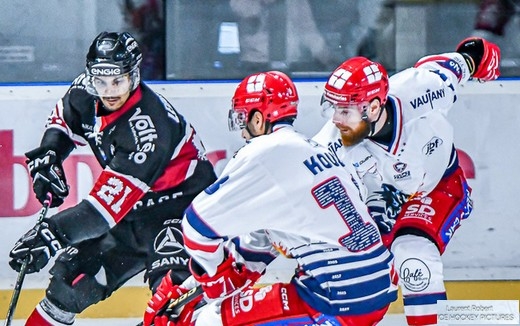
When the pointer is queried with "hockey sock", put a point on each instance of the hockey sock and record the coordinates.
(47, 314)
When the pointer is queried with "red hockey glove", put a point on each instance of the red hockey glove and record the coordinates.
(165, 292)
(485, 57)
(229, 278)
(180, 312)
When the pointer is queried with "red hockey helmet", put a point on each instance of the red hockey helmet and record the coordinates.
(357, 80)
(272, 93)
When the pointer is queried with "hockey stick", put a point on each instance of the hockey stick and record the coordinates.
(23, 268)
(175, 306)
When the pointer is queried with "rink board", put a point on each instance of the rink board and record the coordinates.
(484, 250)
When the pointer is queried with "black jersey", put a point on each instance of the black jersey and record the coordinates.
(144, 147)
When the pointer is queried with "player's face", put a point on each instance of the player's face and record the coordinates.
(352, 127)
(113, 91)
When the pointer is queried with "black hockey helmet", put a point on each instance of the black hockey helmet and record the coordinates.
(113, 54)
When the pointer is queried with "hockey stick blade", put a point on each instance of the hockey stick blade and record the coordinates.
(21, 274)
(175, 306)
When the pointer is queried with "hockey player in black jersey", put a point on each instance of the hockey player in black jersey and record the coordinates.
(153, 166)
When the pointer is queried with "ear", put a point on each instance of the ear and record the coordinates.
(374, 110)
(257, 122)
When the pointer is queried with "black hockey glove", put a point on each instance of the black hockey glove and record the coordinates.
(39, 244)
(47, 175)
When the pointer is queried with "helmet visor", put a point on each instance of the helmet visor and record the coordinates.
(237, 119)
(109, 86)
(344, 112)
(327, 107)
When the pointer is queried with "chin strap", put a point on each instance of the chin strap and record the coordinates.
(267, 125)
(249, 132)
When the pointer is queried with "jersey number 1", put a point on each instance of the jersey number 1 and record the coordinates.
(362, 234)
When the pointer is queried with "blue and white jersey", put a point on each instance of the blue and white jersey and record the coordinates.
(307, 206)
(421, 149)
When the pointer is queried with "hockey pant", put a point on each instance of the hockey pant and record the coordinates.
(146, 239)
(438, 214)
(277, 304)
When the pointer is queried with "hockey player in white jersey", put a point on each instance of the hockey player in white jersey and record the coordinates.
(306, 206)
(396, 133)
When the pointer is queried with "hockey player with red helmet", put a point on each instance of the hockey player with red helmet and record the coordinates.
(395, 132)
(153, 164)
(307, 207)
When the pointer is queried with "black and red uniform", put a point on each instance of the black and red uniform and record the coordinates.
(153, 166)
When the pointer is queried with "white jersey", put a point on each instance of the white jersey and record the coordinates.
(421, 150)
(302, 199)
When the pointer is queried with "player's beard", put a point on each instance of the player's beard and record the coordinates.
(353, 136)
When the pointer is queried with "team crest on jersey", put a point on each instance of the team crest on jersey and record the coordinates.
(400, 167)
(403, 174)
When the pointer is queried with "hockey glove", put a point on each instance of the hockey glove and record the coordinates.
(229, 278)
(47, 175)
(39, 245)
(165, 292)
(483, 57)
